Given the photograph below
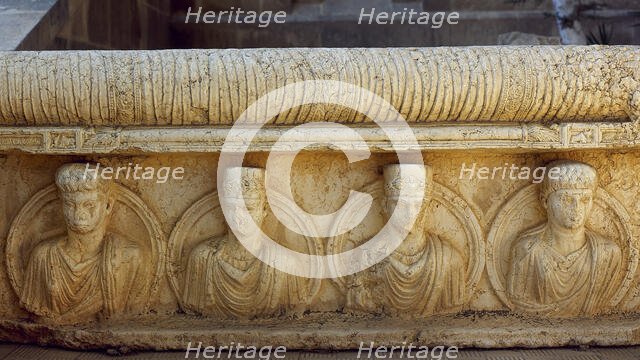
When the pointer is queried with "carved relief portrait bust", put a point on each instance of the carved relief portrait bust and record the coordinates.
(224, 280)
(88, 270)
(426, 274)
(561, 267)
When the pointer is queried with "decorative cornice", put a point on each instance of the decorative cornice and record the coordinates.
(85, 140)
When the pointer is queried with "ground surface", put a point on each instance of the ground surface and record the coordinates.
(17, 19)
(10, 351)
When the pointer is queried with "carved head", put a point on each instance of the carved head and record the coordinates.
(393, 183)
(568, 194)
(251, 184)
(86, 199)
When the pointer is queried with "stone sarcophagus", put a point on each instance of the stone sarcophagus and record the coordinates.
(515, 222)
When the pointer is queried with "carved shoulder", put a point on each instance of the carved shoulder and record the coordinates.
(609, 248)
(526, 243)
(41, 251)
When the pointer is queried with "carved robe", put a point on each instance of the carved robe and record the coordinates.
(420, 284)
(58, 287)
(581, 283)
(223, 280)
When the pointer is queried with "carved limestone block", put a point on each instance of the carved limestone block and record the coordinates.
(216, 276)
(578, 259)
(492, 261)
(69, 260)
(437, 266)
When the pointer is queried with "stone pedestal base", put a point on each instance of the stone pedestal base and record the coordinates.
(321, 332)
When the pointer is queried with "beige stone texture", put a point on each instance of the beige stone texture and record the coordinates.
(495, 262)
(213, 87)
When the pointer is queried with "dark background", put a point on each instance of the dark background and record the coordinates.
(159, 24)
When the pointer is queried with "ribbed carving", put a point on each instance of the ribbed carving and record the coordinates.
(213, 87)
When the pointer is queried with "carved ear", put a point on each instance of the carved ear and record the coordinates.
(110, 203)
(543, 201)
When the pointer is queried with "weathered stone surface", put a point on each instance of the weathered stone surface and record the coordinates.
(213, 87)
(336, 333)
(457, 199)
(132, 140)
(490, 262)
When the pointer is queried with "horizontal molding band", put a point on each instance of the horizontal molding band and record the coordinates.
(103, 140)
(426, 85)
(486, 330)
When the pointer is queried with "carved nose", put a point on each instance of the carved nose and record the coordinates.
(81, 216)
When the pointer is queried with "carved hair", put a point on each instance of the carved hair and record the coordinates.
(573, 175)
(74, 178)
(393, 183)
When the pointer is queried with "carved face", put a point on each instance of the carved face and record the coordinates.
(84, 210)
(409, 207)
(569, 208)
(240, 221)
